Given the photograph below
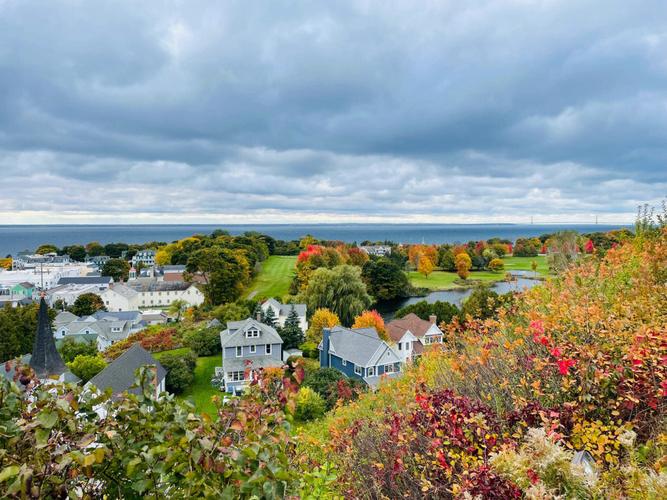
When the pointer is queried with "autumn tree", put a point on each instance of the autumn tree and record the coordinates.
(94, 249)
(496, 265)
(463, 265)
(47, 248)
(322, 318)
(533, 266)
(371, 319)
(6, 263)
(425, 266)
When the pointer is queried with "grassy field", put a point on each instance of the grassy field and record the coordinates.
(523, 264)
(274, 278)
(443, 280)
(201, 390)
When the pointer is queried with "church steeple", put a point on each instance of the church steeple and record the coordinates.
(45, 359)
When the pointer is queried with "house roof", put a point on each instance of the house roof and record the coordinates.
(123, 290)
(373, 382)
(396, 328)
(151, 285)
(358, 345)
(284, 309)
(65, 317)
(234, 335)
(118, 315)
(26, 284)
(120, 374)
(85, 280)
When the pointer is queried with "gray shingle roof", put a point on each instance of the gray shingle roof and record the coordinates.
(120, 374)
(284, 309)
(86, 280)
(234, 335)
(356, 345)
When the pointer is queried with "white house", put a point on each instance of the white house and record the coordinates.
(411, 334)
(145, 257)
(120, 297)
(104, 328)
(281, 311)
(376, 250)
(153, 293)
(70, 292)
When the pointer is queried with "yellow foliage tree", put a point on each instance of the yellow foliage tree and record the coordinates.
(368, 319)
(322, 318)
(425, 266)
(463, 265)
(6, 263)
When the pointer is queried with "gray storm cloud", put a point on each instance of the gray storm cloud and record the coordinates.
(289, 111)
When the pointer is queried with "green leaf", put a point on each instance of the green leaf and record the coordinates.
(47, 419)
(9, 472)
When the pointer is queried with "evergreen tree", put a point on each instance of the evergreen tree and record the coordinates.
(270, 318)
(291, 333)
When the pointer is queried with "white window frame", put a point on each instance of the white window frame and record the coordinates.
(344, 362)
(268, 349)
(392, 370)
(253, 349)
(254, 332)
(370, 371)
(358, 370)
(238, 355)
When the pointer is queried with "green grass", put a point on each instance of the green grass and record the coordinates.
(523, 264)
(201, 390)
(275, 277)
(443, 280)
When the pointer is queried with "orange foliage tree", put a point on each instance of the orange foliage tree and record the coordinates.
(322, 318)
(463, 265)
(425, 266)
(372, 319)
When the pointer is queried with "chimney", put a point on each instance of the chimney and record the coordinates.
(433, 318)
(258, 316)
(324, 353)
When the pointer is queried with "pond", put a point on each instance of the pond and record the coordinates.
(456, 296)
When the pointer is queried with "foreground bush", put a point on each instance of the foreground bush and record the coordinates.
(180, 370)
(54, 444)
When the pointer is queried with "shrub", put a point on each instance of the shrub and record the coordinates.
(309, 405)
(180, 370)
(70, 349)
(204, 342)
(310, 350)
(86, 367)
(496, 265)
(155, 338)
(87, 304)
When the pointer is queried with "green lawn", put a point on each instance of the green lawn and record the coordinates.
(275, 277)
(201, 390)
(523, 264)
(443, 280)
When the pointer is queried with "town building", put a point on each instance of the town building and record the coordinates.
(26, 260)
(411, 334)
(359, 353)
(67, 294)
(282, 311)
(144, 257)
(153, 293)
(44, 276)
(97, 262)
(120, 374)
(247, 346)
(120, 297)
(104, 328)
(103, 282)
(376, 250)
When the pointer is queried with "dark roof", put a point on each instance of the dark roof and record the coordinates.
(120, 374)
(396, 328)
(45, 359)
(26, 284)
(85, 280)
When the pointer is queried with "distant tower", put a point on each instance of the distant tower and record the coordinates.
(45, 359)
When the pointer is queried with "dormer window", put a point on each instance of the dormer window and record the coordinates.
(252, 333)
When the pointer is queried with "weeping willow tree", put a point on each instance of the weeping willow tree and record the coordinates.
(341, 290)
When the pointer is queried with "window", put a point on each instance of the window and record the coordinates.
(400, 346)
(239, 351)
(252, 333)
(371, 371)
(358, 370)
(268, 348)
(344, 362)
(237, 376)
(390, 368)
(253, 349)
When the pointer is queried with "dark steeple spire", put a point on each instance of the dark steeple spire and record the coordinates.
(45, 359)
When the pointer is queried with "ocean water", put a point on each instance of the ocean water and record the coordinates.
(16, 238)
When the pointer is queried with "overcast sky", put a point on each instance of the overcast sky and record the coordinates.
(288, 111)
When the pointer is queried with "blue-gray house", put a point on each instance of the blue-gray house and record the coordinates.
(246, 346)
(358, 353)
